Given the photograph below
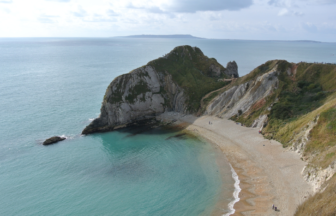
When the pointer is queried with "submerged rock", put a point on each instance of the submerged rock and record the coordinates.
(53, 140)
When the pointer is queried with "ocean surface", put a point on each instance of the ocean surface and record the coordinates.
(55, 86)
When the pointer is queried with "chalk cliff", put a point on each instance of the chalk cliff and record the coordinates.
(175, 82)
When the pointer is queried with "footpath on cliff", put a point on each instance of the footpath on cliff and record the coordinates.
(269, 174)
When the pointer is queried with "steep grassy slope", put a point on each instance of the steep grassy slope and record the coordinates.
(192, 71)
(306, 95)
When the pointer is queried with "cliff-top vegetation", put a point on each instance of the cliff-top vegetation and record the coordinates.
(192, 71)
(306, 93)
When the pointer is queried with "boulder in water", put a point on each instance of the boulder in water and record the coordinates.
(53, 140)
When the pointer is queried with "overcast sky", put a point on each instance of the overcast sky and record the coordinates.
(224, 19)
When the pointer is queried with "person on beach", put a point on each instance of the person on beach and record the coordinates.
(273, 206)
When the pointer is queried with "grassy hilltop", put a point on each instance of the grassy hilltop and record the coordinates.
(191, 70)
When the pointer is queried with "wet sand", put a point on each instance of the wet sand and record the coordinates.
(268, 173)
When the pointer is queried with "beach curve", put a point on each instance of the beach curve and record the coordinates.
(268, 173)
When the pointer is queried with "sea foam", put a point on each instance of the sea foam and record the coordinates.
(235, 193)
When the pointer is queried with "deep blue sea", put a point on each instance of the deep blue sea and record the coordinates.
(55, 86)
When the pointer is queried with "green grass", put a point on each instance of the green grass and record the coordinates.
(210, 97)
(139, 89)
(190, 69)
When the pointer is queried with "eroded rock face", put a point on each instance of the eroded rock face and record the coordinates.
(316, 176)
(243, 96)
(232, 69)
(53, 140)
(139, 95)
(300, 140)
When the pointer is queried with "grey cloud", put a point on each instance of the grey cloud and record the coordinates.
(282, 3)
(290, 3)
(154, 10)
(192, 6)
(6, 1)
(275, 2)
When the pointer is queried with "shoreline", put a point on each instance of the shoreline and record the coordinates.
(235, 193)
(268, 173)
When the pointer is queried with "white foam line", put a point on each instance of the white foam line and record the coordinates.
(235, 192)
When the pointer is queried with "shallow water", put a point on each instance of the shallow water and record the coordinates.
(54, 86)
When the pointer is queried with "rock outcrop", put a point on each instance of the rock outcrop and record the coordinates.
(232, 69)
(175, 82)
(298, 143)
(138, 96)
(53, 140)
(317, 177)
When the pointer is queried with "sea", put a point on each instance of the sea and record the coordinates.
(55, 86)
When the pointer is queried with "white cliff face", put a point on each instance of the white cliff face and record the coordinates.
(242, 97)
(317, 176)
(138, 95)
(259, 122)
(298, 143)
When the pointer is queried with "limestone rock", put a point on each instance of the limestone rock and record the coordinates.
(232, 69)
(162, 85)
(53, 140)
(316, 176)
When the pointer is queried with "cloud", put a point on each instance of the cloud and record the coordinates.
(309, 27)
(59, 0)
(192, 6)
(6, 1)
(46, 18)
(287, 7)
(282, 3)
(111, 12)
(80, 12)
(283, 12)
(98, 18)
(155, 9)
(290, 3)
(149, 9)
(325, 1)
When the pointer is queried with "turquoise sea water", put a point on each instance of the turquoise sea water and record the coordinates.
(55, 86)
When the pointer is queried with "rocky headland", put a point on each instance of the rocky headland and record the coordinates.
(175, 82)
(294, 104)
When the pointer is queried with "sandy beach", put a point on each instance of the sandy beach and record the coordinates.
(268, 173)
